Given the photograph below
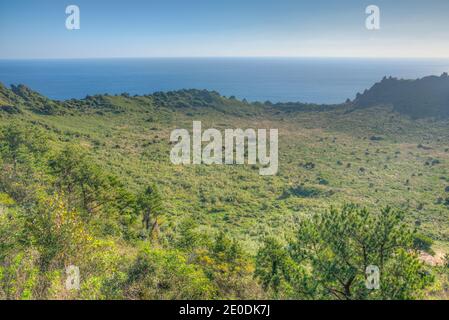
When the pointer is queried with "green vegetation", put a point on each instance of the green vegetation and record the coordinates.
(89, 183)
(332, 251)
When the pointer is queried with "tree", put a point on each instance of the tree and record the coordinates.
(189, 237)
(18, 144)
(149, 203)
(280, 275)
(339, 245)
(229, 267)
(71, 169)
(86, 186)
(23, 154)
(273, 265)
(336, 248)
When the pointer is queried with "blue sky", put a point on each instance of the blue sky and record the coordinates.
(199, 28)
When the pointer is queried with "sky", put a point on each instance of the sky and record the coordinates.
(31, 29)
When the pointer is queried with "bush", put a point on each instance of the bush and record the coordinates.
(160, 274)
(423, 243)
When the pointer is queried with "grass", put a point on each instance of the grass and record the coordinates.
(373, 157)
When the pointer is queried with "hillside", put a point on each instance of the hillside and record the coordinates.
(421, 98)
(374, 156)
(131, 134)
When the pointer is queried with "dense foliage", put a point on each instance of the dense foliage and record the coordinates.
(78, 187)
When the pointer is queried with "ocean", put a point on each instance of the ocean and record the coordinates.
(317, 80)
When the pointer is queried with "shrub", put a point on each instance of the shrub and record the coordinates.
(165, 274)
(422, 243)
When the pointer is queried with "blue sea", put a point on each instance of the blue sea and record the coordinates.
(318, 80)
